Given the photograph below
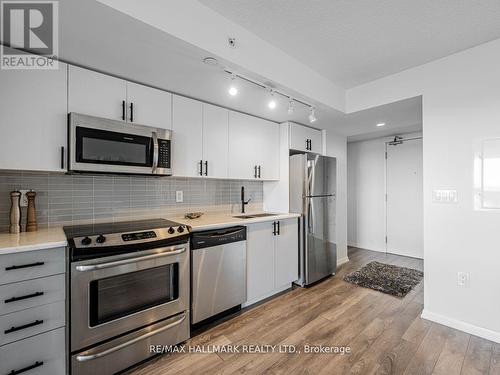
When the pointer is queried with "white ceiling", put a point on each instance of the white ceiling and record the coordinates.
(355, 41)
(123, 46)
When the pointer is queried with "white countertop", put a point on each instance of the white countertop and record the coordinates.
(28, 241)
(55, 237)
(221, 220)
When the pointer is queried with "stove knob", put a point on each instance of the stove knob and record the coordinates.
(86, 241)
(171, 230)
(180, 229)
(101, 239)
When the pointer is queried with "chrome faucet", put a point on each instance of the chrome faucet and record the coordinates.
(243, 202)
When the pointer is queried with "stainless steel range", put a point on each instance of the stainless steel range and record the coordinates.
(129, 290)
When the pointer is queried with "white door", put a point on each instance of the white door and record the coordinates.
(260, 260)
(148, 106)
(267, 156)
(215, 141)
(96, 94)
(33, 118)
(405, 199)
(187, 135)
(287, 252)
(243, 146)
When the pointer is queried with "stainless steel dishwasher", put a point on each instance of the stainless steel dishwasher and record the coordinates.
(218, 272)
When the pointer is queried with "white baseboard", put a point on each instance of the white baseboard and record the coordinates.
(342, 261)
(354, 244)
(485, 333)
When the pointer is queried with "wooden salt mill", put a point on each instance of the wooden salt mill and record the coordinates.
(15, 212)
(31, 216)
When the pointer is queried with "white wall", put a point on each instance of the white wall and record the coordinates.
(461, 104)
(366, 194)
(336, 146)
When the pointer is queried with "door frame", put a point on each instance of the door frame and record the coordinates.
(386, 143)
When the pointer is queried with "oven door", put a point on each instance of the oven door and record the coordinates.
(114, 295)
(102, 145)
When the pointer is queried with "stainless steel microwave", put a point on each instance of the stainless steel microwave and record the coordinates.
(108, 146)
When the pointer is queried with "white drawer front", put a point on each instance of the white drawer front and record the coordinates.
(44, 354)
(31, 293)
(31, 264)
(30, 322)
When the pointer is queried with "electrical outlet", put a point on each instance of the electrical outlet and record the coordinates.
(179, 196)
(463, 279)
(24, 199)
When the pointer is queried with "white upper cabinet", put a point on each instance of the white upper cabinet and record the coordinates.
(253, 148)
(96, 94)
(215, 141)
(148, 106)
(33, 118)
(306, 139)
(187, 137)
(100, 95)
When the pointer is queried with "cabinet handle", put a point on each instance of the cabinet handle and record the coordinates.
(310, 145)
(11, 268)
(274, 228)
(255, 171)
(206, 167)
(62, 157)
(14, 299)
(18, 328)
(307, 144)
(123, 110)
(259, 171)
(201, 168)
(278, 225)
(131, 112)
(34, 365)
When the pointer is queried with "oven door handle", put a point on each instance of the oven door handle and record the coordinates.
(84, 358)
(174, 250)
(155, 152)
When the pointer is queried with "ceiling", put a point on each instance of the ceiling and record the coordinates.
(352, 42)
(138, 52)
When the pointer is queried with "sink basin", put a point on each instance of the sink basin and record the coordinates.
(251, 216)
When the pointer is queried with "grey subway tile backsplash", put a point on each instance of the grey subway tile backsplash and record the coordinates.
(72, 199)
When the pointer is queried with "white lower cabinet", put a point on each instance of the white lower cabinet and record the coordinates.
(272, 258)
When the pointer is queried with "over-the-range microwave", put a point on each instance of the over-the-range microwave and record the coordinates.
(108, 146)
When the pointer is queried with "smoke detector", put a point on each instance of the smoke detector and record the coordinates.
(212, 61)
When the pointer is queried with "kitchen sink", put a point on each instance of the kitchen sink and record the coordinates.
(252, 216)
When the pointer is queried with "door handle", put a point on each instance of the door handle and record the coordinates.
(15, 299)
(155, 152)
(259, 170)
(274, 228)
(123, 110)
(278, 225)
(18, 328)
(173, 250)
(255, 171)
(24, 369)
(206, 167)
(11, 268)
(131, 112)
(201, 168)
(84, 358)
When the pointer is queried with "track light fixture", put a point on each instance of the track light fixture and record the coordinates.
(233, 90)
(272, 103)
(291, 106)
(272, 100)
(312, 115)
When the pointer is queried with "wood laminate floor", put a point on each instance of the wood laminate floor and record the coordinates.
(385, 334)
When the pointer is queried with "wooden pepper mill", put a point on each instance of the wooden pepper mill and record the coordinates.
(31, 225)
(15, 212)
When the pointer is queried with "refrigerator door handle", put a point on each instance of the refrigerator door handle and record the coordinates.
(310, 216)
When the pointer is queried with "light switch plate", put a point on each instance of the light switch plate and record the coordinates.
(179, 196)
(444, 196)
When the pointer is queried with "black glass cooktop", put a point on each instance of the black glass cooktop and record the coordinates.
(118, 227)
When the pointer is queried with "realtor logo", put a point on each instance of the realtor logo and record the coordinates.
(32, 27)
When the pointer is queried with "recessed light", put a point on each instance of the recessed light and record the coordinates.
(212, 61)
(380, 124)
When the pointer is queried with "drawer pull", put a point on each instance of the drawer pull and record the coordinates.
(14, 299)
(20, 371)
(11, 268)
(14, 329)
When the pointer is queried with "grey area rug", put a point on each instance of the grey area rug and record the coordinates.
(386, 278)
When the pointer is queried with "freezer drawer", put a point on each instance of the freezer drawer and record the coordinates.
(127, 350)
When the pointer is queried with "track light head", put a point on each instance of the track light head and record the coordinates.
(233, 90)
(272, 100)
(291, 106)
(312, 115)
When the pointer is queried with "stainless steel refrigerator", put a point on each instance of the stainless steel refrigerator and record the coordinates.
(312, 194)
